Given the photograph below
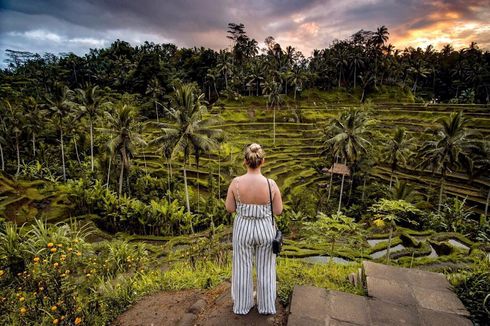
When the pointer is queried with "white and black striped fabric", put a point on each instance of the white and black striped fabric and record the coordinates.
(253, 233)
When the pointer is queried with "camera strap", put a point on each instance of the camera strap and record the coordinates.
(270, 196)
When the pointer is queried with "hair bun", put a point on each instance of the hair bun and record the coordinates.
(254, 148)
(254, 155)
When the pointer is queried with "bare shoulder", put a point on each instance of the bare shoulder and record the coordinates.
(234, 180)
(273, 183)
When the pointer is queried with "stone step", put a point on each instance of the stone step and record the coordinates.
(396, 296)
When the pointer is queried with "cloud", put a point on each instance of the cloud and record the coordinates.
(76, 26)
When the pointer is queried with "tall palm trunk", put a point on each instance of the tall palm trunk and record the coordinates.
(63, 153)
(76, 151)
(92, 144)
(274, 125)
(441, 191)
(341, 191)
(355, 75)
(18, 153)
(219, 173)
(486, 204)
(198, 192)
(109, 172)
(168, 172)
(1, 157)
(363, 188)
(33, 145)
(156, 110)
(123, 165)
(121, 178)
(331, 180)
(186, 189)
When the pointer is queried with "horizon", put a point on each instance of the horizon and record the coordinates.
(64, 27)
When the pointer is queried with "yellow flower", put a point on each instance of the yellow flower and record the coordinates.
(379, 223)
(79, 253)
(63, 275)
(56, 321)
(53, 250)
(41, 288)
(76, 240)
(23, 310)
(67, 271)
(36, 259)
(63, 256)
(21, 299)
(60, 245)
(53, 308)
(78, 320)
(55, 264)
(50, 245)
(70, 249)
(2, 272)
(88, 275)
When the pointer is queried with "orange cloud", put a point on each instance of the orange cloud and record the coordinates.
(449, 29)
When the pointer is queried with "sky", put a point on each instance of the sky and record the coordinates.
(57, 26)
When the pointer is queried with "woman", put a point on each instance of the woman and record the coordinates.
(253, 232)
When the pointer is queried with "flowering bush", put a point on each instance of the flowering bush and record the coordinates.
(60, 275)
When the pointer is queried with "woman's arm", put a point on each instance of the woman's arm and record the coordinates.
(230, 198)
(276, 198)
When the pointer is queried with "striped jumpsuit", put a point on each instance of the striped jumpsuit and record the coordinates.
(253, 233)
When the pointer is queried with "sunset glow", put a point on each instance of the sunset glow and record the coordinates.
(305, 25)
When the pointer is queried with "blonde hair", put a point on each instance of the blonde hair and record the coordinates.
(254, 155)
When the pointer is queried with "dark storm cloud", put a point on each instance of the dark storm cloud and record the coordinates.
(69, 25)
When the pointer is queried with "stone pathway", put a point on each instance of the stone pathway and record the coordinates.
(396, 296)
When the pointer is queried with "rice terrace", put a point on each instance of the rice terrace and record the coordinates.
(115, 163)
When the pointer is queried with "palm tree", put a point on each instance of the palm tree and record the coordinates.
(155, 90)
(347, 138)
(3, 132)
(366, 80)
(15, 121)
(60, 106)
(123, 126)
(297, 79)
(33, 121)
(378, 39)
(398, 150)
(450, 149)
(225, 66)
(91, 101)
(356, 61)
(403, 191)
(188, 129)
(275, 98)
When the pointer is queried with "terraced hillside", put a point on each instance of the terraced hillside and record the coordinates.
(294, 160)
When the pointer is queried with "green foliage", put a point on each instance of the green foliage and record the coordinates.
(330, 228)
(473, 288)
(35, 170)
(456, 216)
(159, 217)
(393, 211)
(66, 278)
(291, 272)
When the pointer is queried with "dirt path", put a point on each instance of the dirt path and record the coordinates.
(195, 307)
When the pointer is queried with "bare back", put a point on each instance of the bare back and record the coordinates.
(253, 189)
